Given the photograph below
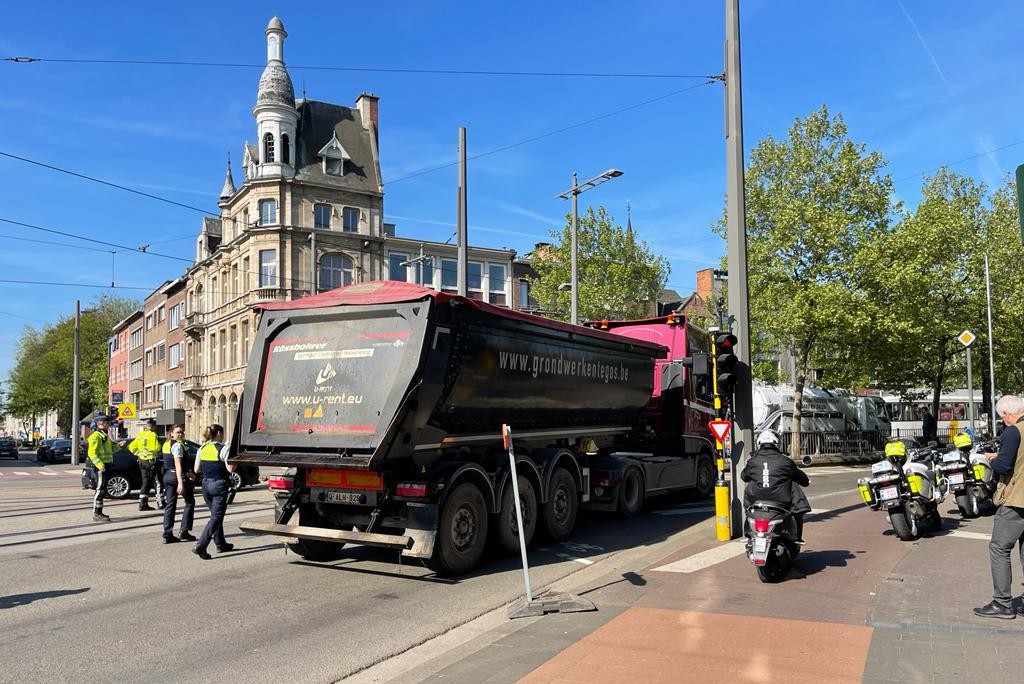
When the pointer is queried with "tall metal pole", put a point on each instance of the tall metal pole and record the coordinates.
(970, 385)
(991, 352)
(743, 429)
(462, 229)
(574, 276)
(312, 262)
(76, 429)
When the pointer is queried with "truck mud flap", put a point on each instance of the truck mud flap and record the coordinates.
(388, 541)
(421, 526)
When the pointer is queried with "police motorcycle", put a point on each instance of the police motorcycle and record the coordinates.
(968, 474)
(905, 486)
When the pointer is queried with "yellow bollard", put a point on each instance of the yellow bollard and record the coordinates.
(723, 529)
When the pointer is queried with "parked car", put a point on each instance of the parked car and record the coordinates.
(59, 451)
(8, 447)
(43, 448)
(124, 477)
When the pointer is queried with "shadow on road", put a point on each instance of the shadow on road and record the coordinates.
(15, 600)
(346, 567)
(812, 562)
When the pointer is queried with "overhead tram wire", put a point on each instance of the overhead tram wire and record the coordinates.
(380, 70)
(526, 141)
(961, 161)
(50, 282)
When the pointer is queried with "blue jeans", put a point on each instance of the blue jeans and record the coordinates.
(215, 493)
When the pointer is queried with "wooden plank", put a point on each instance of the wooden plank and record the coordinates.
(390, 541)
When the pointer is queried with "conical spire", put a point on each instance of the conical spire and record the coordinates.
(228, 191)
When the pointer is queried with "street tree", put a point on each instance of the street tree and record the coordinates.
(813, 200)
(619, 276)
(42, 377)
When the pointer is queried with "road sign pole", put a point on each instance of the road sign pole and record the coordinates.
(970, 387)
(76, 429)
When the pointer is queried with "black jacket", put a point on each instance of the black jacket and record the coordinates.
(929, 428)
(772, 476)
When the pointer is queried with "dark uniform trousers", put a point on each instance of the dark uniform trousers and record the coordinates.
(215, 492)
(171, 503)
(152, 478)
(101, 489)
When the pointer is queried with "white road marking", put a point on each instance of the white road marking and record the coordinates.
(20, 472)
(582, 561)
(707, 558)
(970, 535)
(44, 472)
(685, 511)
(72, 472)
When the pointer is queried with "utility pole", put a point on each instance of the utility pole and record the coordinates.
(743, 430)
(991, 353)
(462, 219)
(574, 275)
(76, 429)
(312, 262)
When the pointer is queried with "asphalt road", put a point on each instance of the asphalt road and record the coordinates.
(108, 602)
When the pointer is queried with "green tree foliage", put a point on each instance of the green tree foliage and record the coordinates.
(42, 377)
(813, 201)
(619, 276)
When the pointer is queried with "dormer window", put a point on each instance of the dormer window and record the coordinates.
(268, 148)
(334, 157)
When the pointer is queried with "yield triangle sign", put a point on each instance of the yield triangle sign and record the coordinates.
(719, 428)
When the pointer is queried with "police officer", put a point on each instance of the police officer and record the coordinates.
(212, 462)
(101, 454)
(772, 476)
(146, 447)
(177, 481)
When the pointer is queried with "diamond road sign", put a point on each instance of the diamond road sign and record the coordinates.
(966, 338)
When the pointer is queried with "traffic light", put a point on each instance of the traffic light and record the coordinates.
(725, 363)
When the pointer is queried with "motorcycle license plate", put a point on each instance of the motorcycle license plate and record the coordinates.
(888, 493)
(760, 544)
(956, 478)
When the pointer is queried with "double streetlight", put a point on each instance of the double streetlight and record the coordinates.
(572, 193)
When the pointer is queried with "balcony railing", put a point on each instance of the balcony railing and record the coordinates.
(195, 323)
(194, 382)
(268, 294)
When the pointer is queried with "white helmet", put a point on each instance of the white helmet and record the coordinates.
(768, 437)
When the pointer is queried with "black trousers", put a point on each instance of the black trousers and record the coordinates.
(215, 492)
(101, 490)
(152, 473)
(171, 503)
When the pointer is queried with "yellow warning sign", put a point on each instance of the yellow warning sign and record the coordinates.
(309, 412)
(966, 338)
(127, 412)
(319, 411)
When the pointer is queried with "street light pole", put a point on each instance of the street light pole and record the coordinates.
(573, 193)
(991, 353)
(76, 429)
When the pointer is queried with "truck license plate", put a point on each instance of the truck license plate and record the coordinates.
(887, 493)
(956, 478)
(343, 497)
(760, 544)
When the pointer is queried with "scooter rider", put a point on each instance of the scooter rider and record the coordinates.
(772, 476)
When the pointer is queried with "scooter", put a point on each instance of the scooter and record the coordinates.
(773, 540)
(969, 475)
(905, 487)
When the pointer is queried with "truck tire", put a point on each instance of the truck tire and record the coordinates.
(314, 550)
(704, 483)
(462, 531)
(558, 515)
(506, 526)
(631, 493)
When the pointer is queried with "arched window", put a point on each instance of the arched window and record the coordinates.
(335, 271)
(286, 154)
(268, 148)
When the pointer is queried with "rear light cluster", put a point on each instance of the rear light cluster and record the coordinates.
(280, 482)
(761, 525)
(414, 490)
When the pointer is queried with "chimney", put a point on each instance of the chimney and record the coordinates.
(706, 283)
(366, 103)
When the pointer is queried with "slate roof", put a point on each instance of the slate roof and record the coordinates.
(275, 86)
(318, 123)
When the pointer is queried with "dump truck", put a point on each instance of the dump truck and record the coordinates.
(384, 402)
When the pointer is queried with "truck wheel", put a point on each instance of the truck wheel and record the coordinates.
(559, 513)
(314, 550)
(705, 481)
(631, 493)
(507, 526)
(462, 531)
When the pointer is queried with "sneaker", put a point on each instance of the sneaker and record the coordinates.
(201, 553)
(146, 507)
(170, 539)
(225, 548)
(99, 517)
(185, 536)
(994, 610)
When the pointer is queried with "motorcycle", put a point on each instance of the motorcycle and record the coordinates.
(905, 486)
(969, 475)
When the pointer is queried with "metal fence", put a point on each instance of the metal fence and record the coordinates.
(860, 442)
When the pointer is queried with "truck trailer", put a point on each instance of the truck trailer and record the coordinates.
(385, 403)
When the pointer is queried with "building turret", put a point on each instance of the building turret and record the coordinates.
(276, 116)
(228, 190)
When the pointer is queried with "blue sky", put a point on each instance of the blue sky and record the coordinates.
(925, 83)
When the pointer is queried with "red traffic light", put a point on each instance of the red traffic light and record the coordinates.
(725, 341)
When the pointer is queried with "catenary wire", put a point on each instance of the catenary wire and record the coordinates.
(50, 282)
(56, 244)
(961, 161)
(383, 70)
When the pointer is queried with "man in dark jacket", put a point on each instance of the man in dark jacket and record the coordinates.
(929, 428)
(772, 476)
